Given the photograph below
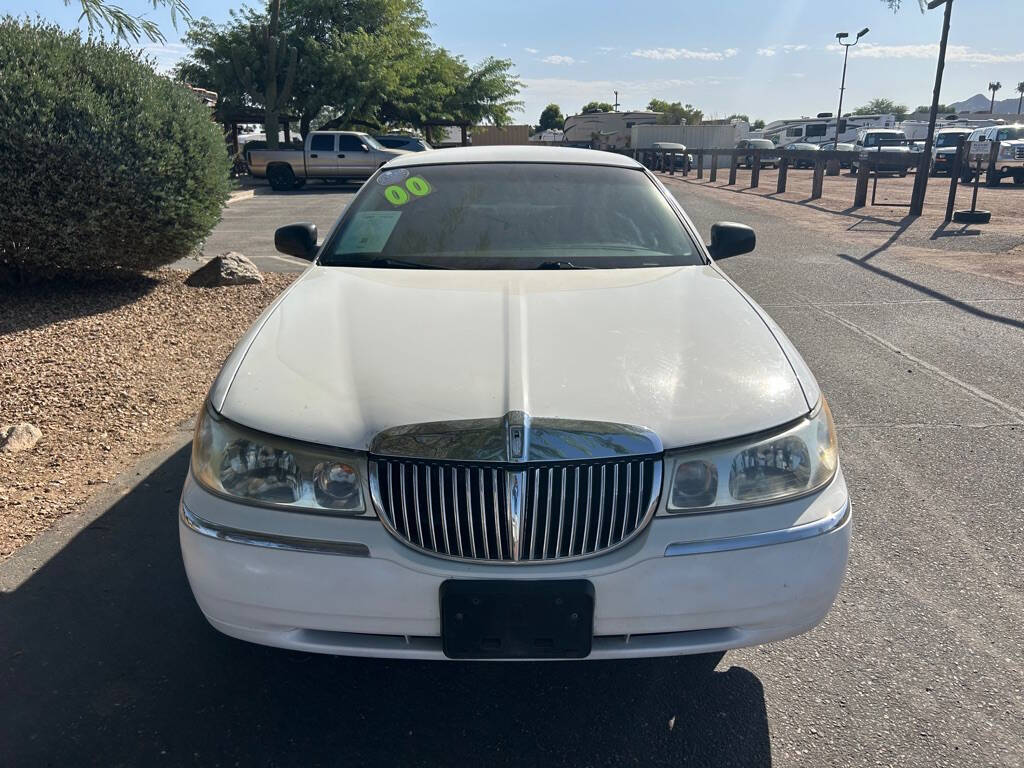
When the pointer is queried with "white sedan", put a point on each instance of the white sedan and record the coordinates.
(513, 409)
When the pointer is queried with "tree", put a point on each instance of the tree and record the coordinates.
(993, 87)
(274, 100)
(1020, 90)
(675, 113)
(757, 125)
(363, 63)
(98, 14)
(943, 108)
(551, 118)
(737, 116)
(596, 106)
(883, 107)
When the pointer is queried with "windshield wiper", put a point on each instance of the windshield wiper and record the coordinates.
(561, 265)
(403, 264)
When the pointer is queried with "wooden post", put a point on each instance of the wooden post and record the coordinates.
(993, 157)
(733, 159)
(954, 177)
(700, 165)
(832, 167)
(672, 167)
(755, 171)
(783, 174)
(714, 165)
(465, 140)
(287, 133)
(860, 197)
(819, 178)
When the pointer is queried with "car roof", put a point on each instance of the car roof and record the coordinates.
(515, 154)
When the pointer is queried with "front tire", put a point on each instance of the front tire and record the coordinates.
(1019, 179)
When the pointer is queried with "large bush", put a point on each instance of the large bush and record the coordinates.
(104, 164)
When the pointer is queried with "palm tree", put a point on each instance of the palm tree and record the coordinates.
(1020, 90)
(993, 87)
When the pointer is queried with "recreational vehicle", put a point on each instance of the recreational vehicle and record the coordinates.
(822, 129)
(605, 130)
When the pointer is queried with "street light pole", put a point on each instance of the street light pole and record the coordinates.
(840, 36)
(921, 177)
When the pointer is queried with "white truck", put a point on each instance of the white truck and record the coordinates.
(328, 155)
(1009, 160)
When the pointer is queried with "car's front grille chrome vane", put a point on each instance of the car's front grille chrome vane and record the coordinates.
(518, 513)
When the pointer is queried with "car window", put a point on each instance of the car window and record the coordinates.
(371, 142)
(321, 142)
(511, 216)
(1008, 134)
(393, 143)
(350, 143)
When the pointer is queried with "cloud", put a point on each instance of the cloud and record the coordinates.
(606, 48)
(765, 51)
(792, 48)
(531, 50)
(672, 54)
(954, 53)
(559, 59)
(166, 55)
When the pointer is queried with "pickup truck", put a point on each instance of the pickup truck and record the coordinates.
(891, 144)
(328, 155)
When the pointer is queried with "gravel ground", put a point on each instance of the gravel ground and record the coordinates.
(105, 370)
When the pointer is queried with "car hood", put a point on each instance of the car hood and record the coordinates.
(348, 352)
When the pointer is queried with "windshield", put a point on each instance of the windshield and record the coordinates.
(511, 216)
(885, 139)
(947, 139)
(762, 144)
(1008, 134)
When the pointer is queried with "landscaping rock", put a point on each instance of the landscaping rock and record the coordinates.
(19, 437)
(231, 268)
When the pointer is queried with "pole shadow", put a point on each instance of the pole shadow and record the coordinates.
(108, 661)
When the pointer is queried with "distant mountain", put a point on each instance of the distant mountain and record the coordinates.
(979, 103)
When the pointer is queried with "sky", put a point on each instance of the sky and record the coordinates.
(768, 60)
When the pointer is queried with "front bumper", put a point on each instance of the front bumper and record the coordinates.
(685, 585)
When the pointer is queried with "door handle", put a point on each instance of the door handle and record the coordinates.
(314, 155)
(341, 154)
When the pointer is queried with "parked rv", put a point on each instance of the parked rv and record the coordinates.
(822, 129)
(604, 130)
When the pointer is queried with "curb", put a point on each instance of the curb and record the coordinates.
(244, 194)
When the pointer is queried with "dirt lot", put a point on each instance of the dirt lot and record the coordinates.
(105, 370)
(994, 250)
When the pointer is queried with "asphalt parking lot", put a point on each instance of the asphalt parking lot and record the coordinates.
(107, 661)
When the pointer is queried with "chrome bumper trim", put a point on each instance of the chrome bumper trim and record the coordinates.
(833, 522)
(270, 541)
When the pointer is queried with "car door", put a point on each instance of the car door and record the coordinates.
(354, 156)
(321, 158)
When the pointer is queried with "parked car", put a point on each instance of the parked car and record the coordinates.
(327, 155)
(1009, 161)
(891, 145)
(514, 409)
(944, 148)
(401, 141)
(802, 146)
(681, 160)
(844, 162)
(769, 153)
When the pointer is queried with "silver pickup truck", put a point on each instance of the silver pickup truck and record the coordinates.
(329, 155)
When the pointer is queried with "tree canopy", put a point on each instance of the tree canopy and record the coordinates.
(551, 118)
(675, 113)
(99, 14)
(596, 106)
(882, 106)
(366, 63)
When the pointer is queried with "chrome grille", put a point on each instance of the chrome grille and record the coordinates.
(1018, 153)
(468, 511)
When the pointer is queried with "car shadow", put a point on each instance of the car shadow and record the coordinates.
(32, 306)
(107, 660)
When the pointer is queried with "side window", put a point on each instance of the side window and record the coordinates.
(1003, 135)
(815, 130)
(321, 142)
(798, 131)
(348, 143)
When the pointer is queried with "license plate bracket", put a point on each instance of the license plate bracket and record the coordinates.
(504, 619)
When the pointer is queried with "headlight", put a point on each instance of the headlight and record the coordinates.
(752, 471)
(245, 464)
(1006, 150)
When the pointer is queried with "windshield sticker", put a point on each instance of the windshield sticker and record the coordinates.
(394, 176)
(368, 232)
(418, 186)
(396, 195)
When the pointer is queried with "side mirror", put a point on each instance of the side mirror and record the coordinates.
(297, 240)
(364, 148)
(983, 137)
(731, 239)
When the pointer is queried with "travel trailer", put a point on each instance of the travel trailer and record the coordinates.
(605, 130)
(821, 129)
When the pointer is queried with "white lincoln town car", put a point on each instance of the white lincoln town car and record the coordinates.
(513, 410)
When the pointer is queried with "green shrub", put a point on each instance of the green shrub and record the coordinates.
(105, 165)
